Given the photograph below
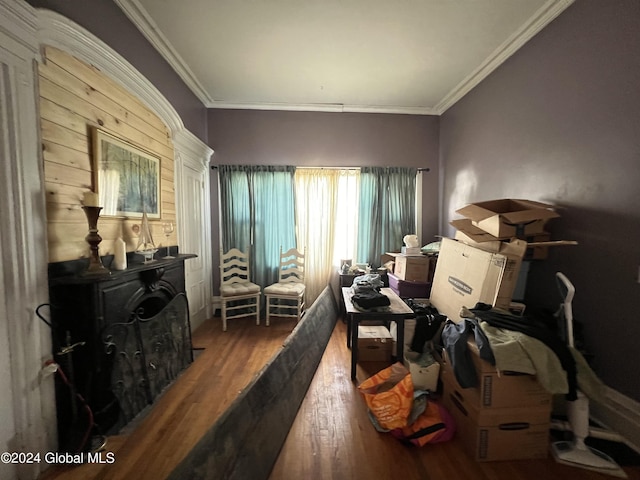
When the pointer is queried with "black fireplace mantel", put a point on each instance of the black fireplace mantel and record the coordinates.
(127, 345)
(72, 271)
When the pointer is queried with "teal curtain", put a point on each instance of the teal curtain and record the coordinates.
(387, 211)
(258, 211)
(235, 207)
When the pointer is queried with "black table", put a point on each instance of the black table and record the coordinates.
(398, 311)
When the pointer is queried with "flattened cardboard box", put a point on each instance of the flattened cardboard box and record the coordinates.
(468, 233)
(507, 218)
(466, 275)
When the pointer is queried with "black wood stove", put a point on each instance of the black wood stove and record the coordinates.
(120, 338)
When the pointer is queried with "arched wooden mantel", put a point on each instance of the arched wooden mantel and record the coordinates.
(191, 155)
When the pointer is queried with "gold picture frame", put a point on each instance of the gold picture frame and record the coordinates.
(126, 177)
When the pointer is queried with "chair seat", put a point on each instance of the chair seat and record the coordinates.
(284, 288)
(239, 288)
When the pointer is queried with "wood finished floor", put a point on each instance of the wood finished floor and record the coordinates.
(331, 438)
(225, 363)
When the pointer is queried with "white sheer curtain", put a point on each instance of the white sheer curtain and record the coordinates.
(346, 220)
(326, 211)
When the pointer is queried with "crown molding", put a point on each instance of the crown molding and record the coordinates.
(143, 21)
(547, 13)
(187, 143)
(323, 107)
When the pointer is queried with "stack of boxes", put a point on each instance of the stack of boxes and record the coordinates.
(485, 263)
(506, 417)
(412, 274)
(487, 224)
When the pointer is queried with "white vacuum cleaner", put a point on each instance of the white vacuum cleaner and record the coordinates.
(575, 452)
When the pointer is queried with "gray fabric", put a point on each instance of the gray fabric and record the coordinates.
(454, 338)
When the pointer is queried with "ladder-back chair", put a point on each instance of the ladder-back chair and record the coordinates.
(240, 297)
(286, 298)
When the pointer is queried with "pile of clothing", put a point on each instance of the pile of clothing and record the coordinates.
(366, 292)
(523, 344)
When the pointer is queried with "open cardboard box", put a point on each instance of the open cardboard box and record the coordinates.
(537, 244)
(507, 218)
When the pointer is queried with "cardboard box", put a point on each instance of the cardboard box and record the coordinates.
(501, 433)
(374, 343)
(497, 389)
(414, 268)
(468, 233)
(507, 218)
(466, 275)
(507, 390)
(388, 257)
(424, 377)
(407, 289)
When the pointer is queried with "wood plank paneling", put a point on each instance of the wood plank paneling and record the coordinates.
(74, 98)
(95, 79)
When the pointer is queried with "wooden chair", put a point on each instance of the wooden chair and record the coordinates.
(240, 297)
(286, 298)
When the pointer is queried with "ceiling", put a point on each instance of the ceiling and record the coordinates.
(401, 56)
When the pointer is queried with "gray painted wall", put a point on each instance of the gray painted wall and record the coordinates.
(560, 122)
(106, 21)
(327, 139)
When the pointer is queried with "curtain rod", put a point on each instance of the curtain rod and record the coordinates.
(426, 169)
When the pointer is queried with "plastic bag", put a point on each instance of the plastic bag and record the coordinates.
(389, 396)
(435, 424)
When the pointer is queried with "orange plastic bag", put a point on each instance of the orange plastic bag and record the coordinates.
(433, 425)
(389, 396)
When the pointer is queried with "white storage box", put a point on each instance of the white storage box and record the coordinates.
(424, 376)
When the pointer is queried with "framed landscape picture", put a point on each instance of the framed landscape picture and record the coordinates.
(126, 177)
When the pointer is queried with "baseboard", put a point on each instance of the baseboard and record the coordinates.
(620, 414)
(216, 304)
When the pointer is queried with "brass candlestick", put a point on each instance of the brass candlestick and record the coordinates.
(93, 239)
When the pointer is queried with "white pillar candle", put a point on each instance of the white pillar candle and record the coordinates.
(119, 254)
(90, 199)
